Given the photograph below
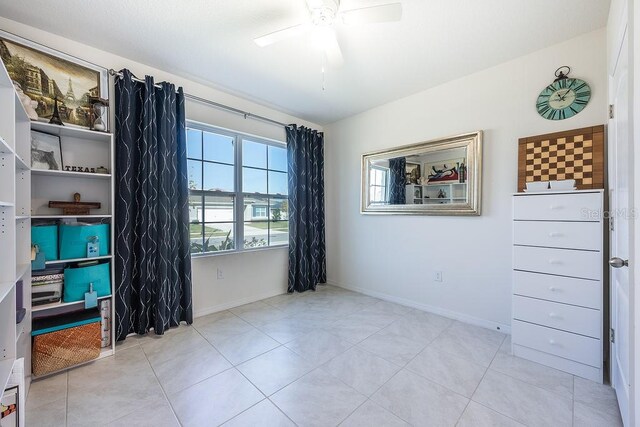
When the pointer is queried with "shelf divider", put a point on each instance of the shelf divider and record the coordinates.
(45, 172)
(64, 261)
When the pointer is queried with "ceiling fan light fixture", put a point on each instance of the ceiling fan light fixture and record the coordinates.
(323, 12)
(322, 37)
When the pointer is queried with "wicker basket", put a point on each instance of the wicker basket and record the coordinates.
(61, 349)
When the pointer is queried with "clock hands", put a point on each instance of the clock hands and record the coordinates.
(567, 92)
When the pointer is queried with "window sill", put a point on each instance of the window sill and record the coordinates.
(238, 252)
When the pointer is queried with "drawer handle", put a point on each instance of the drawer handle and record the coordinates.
(554, 316)
(555, 207)
(554, 289)
(555, 262)
(552, 342)
(555, 234)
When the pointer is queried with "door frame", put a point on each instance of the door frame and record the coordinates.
(634, 250)
(623, 17)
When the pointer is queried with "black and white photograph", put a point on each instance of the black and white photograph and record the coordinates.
(46, 152)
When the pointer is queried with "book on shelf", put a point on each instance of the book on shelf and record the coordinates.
(47, 278)
(105, 315)
(47, 283)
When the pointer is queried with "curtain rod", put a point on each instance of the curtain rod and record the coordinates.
(246, 114)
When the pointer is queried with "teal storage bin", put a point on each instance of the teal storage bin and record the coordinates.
(74, 239)
(77, 280)
(46, 237)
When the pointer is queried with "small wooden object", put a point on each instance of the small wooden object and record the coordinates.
(76, 207)
(574, 154)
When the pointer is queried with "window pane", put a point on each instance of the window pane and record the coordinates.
(195, 174)
(195, 236)
(195, 208)
(194, 144)
(277, 158)
(218, 177)
(278, 183)
(279, 210)
(218, 209)
(254, 154)
(218, 148)
(279, 233)
(254, 180)
(256, 234)
(378, 196)
(218, 237)
(255, 208)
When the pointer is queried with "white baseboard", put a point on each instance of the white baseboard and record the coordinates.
(234, 303)
(465, 318)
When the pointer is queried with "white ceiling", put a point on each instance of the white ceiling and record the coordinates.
(211, 41)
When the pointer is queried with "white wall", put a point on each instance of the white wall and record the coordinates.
(395, 257)
(248, 276)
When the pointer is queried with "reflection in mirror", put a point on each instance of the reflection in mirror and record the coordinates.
(436, 177)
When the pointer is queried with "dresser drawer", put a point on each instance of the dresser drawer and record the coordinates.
(578, 320)
(558, 207)
(585, 293)
(564, 262)
(570, 235)
(564, 344)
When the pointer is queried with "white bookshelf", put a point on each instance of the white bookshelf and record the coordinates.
(88, 149)
(15, 228)
(24, 201)
(455, 192)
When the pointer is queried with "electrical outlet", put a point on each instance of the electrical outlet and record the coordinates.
(220, 274)
(437, 276)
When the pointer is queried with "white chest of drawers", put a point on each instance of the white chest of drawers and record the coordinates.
(558, 267)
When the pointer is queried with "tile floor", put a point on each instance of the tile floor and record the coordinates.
(327, 358)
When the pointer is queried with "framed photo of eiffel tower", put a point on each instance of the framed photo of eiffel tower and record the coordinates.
(44, 77)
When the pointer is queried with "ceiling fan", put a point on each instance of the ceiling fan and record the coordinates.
(323, 14)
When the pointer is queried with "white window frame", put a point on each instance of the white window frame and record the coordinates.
(238, 214)
(385, 171)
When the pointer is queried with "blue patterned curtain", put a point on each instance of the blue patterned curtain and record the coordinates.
(397, 181)
(152, 259)
(307, 256)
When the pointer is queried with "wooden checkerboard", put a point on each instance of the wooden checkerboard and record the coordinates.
(576, 154)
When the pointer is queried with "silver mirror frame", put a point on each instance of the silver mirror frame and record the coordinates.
(471, 141)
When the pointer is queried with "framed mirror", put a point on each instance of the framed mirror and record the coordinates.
(439, 177)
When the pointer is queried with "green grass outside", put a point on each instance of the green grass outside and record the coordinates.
(275, 225)
(195, 230)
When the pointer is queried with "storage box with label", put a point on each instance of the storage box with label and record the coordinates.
(78, 280)
(46, 238)
(66, 340)
(75, 238)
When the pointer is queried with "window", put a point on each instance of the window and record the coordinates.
(259, 212)
(237, 191)
(378, 187)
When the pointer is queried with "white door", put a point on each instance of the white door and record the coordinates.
(620, 208)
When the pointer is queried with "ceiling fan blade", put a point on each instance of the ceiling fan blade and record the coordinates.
(374, 14)
(333, 51)
(277, 36)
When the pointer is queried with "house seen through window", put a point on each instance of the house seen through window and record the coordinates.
(237, 191)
